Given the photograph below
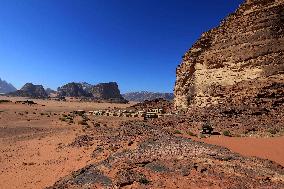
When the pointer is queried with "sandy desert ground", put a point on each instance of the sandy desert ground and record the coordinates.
(266, 148)
(31, 138)
(37, 148)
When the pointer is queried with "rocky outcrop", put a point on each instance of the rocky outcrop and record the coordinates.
(108, 91)
(246, 48)
(87, 87)
(30, 90)
(73, 90)
(6, 87)
(144, 95)
(140, 155)
(50, 91)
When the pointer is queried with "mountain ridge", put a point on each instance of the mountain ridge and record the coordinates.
(6, 87)
(30, 90)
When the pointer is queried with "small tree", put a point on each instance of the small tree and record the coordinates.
(227, 133)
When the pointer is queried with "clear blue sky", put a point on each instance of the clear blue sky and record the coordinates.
(137, 43)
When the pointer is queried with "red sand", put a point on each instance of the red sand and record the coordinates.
(267, 148)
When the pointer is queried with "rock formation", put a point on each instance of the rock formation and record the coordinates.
(246, 49)
(50, 91)
(144, 95)
(108, 91)
(30, 90)
(155, 158)
(6, 87)
(103, 91)
(87, 87)
(73, 90)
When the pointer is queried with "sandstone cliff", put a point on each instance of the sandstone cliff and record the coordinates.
(108, 91)
(246, 48)
(30, 90)
(73, 90)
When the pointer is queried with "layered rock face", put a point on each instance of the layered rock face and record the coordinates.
(246, 48)
(107, 91)
(87, 87)
(73, 90)
(30, 90)
(103, 91)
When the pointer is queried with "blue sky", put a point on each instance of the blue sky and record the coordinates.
(137, 43)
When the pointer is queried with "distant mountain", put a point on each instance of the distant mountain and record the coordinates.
(102, 91)
(30, 90)
(108, 91)
(144, 95)
(73, 90)
(50, 91)
(6, 87)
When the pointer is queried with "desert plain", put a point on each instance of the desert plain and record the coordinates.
(32, 137)
(38, 147)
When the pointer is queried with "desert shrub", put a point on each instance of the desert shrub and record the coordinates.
(82, 122)
(86, 126)
(64, 115)
(62, 119)
(68, 117)
(4, 101)
(85, 118)
(177, 132)
(250, 130)
(273, 131)
(42, 114)
(97, 124)
(191, 133)
(144, 180)
(227, 133)
(80, 114)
